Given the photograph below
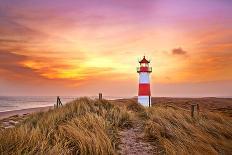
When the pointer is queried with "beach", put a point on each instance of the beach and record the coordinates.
(9, 119)
(14, 109)
(21, 112)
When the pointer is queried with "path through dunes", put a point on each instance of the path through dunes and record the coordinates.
(134, 143)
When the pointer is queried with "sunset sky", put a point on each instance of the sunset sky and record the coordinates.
(82, 47)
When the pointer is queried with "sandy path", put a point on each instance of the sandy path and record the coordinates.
(133, 143)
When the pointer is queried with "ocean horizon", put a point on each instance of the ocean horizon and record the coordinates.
(11, 103)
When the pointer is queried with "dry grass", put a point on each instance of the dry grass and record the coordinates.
(219, 105)
(179, 133)
(87, 126)
(83, 126)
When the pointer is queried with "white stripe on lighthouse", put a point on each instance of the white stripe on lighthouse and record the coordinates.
(144, 100)
(144, 77)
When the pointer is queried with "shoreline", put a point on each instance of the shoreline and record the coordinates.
(209, 103)
(6, 114)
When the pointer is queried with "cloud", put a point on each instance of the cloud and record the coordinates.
(179, 51)
(15, 66)
(20, 69)
(11, 67)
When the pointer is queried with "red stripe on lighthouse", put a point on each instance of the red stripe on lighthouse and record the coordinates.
(144, 89)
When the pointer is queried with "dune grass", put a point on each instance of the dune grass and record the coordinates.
(86, 126)
(179, 133)
(83, 126)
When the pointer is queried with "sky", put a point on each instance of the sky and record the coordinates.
(83, 47)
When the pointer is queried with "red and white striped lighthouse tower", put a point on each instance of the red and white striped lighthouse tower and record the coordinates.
(144, 95)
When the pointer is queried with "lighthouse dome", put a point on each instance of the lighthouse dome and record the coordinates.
(144, 60)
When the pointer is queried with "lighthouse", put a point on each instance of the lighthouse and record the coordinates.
(144, 94)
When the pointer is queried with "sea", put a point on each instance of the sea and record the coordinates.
(11, 103)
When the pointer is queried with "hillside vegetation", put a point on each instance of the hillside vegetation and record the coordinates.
(86, 126)
(83, 126)
(179, 133)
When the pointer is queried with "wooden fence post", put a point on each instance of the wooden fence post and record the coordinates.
(100, 96)
(192, 110)
(195, 108)
(58, 102)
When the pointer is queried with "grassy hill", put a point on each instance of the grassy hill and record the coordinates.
(86, 126)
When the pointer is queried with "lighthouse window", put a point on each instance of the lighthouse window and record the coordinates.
(144, 65)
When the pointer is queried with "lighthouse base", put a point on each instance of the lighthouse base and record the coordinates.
(144, 100)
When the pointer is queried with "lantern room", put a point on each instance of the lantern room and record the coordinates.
(144, 66)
